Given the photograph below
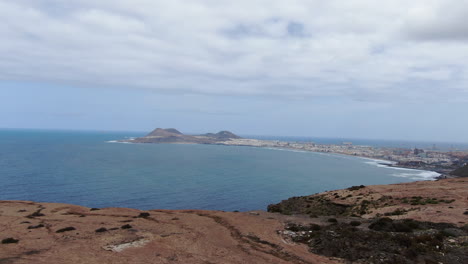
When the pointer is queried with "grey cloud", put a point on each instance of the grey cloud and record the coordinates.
(445, 21)
(291, 49)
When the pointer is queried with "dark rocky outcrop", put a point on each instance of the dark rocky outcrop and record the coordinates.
(384, 240)
(311, 205)
(461, 172)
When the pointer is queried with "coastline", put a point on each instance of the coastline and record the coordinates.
(382, 162)
(429, 160)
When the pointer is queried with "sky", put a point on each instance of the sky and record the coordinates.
(352, 68)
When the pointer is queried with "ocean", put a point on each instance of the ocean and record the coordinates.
(86, 168)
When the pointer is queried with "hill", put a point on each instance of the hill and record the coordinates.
(172, 135)
(164, 132)
(222, 135)
(461, 172)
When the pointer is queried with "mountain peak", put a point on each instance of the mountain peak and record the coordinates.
(226, 134)
(161, 132)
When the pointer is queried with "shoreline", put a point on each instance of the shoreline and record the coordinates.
(384, 163)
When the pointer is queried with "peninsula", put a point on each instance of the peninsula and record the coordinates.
(443, 162)
(172, 135)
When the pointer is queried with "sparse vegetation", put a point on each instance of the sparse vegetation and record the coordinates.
(101, 230)
(355, 188)
(144, 215)
(36, 214)
(396, 212)
(66, 229)
(10, 240)
(418, 200)
(385, 242)
(35, 226)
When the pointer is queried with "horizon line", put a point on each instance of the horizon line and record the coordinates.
(242, 134)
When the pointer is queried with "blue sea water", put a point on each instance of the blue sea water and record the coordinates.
(84, 168)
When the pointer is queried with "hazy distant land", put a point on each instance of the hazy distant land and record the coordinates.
(439, 161)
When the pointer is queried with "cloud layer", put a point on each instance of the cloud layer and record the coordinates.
(365, 50)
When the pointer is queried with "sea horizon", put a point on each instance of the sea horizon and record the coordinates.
(372, 142)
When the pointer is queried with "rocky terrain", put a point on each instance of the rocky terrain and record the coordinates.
(59, 233)
(171, 135)
(461, 172)
(419, 222)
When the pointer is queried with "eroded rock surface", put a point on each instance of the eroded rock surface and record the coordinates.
(331, 227)
(120, 235)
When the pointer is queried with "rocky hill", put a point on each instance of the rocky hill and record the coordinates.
(164, 132)
(172, 135)
(222, 135)
(461, 172)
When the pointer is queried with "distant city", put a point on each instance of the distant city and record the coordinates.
(416, 158)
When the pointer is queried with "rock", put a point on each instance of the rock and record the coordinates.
(10, 240)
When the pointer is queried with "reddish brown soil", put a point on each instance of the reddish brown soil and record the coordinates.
(163, 237)
(194, 236)
(454, 191)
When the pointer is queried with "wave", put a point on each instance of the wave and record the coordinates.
(418, 175)
(117, 141)
(380, 163)
(413, 174)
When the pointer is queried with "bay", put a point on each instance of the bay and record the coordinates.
(84, 168)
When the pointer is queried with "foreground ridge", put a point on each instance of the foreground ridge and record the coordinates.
(420, 222)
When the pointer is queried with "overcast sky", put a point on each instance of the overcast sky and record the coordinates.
(352, 68)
